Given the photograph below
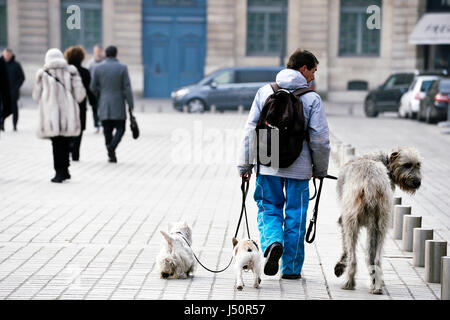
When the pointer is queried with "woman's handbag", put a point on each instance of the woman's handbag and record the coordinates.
(134, 126)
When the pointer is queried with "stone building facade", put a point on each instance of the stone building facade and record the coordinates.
(33, 26)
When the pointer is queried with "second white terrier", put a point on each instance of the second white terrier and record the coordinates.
(246, 256)
(176, 259)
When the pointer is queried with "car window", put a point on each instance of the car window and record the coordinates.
(400, 80)
(411, 87)
(432, 89)
(224, 77)
(403, 79)
(426, 85)
(444, 86)
(389, 83)
(249, 76)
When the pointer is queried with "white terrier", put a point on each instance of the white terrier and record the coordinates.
(246, 257)
(176, 259)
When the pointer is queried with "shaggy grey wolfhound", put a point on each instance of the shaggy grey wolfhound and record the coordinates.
(365, 191)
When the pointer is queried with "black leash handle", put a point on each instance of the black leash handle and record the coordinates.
(313, 222)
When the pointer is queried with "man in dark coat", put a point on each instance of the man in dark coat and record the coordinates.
(5, 95)
(111, 84)
(16, 79)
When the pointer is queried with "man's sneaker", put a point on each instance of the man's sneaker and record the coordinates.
(273, 254)
(291, 276)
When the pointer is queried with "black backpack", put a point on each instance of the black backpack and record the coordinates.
(282, 114)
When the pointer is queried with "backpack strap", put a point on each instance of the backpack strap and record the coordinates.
(299, 92)
(275, 86)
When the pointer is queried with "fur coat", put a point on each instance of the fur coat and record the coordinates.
(58, 90)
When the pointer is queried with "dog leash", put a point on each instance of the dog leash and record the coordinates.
(313, 221)
(244, 188)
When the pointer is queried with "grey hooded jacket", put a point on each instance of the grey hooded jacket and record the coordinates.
(314, 157)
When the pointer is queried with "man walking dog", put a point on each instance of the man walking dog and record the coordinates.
(282, 234)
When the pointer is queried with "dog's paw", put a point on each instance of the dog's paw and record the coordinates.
(349, 285)
(240, 287)
(339, 269)
(376, 291)
(256, 283)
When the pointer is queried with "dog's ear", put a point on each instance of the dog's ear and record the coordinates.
(168, 239)
(394, 156)
(235, 242)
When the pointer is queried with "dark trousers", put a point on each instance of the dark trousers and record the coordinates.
(112, 141)
(61, 151)
(15, 112)
(95, 115)
(75, 146)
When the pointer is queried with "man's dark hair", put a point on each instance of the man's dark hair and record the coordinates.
(111, 51)
(301, 58)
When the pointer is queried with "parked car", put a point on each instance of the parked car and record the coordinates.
(387, 96)
(410, 101)
(434, 106)
(225, 88)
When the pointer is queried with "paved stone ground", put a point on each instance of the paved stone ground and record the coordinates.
(96, 236)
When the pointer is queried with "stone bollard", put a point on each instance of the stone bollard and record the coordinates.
(213, 108)
(241, 109)
(185, 109)
(434, 251)
(420, 235)
(445, 278)
(409, 223)
(397, 200)
(349, 153)
(342, 153)
(399, 212)
(336, 151)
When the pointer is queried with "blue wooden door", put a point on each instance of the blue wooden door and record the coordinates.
(174, 44)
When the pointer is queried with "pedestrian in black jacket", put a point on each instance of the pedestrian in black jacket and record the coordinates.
(16, 79)
(75, 56)
(5, 95)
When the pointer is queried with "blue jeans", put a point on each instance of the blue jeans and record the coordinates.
(287, 228)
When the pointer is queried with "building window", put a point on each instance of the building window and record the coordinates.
(266, 27)
(355, 38)
(3, 25)
(180, 3)
(90, 32)
(438, 6)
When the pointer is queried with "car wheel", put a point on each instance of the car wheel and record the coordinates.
(369, 109)
(196, 106)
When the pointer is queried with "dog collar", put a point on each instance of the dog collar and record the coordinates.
(184, 238)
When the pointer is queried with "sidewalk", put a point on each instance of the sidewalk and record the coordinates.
(96, 236)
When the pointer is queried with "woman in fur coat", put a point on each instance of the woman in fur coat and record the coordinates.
(58, 90)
